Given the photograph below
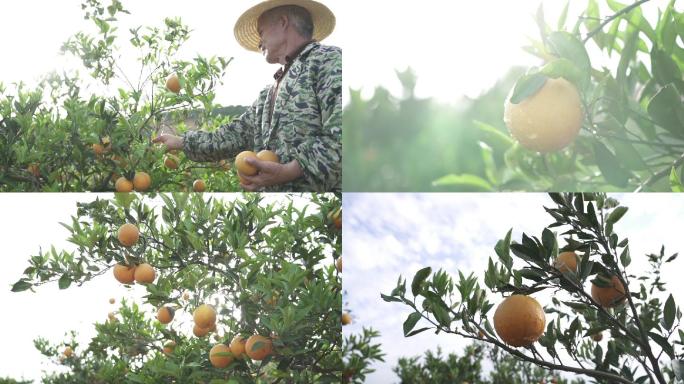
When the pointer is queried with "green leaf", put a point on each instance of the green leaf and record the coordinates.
(611, 168)
(669, 312)
(21, 285)
(492, 136)
(567, 46)
(675, 182)
(64, 281)
(617, 214)
(625, 258)
(411, 322)
(390, 298)
(564, 68)
(417, 331)
(466, 182)
(665, 69)
(526, 86)
(666, 109)
(418, 280)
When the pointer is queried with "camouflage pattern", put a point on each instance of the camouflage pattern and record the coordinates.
(306, 123)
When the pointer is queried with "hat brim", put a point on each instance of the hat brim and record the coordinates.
(246, 32)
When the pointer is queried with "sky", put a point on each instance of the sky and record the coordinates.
(49, 312)
(388, 235)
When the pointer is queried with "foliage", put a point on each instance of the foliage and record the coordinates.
(632, 136)
(268, 268)
(358, 351)
(48, 134)
(507, 369)
(645, 338)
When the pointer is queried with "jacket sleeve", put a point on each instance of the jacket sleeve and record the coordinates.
(225, 142)
(320, 157)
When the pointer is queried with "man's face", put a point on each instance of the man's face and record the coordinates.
(272, 34)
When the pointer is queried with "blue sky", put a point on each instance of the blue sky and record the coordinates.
(387, 235)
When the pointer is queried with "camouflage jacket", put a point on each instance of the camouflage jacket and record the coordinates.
(306, 123)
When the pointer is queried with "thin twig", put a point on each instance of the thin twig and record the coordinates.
(605, 22)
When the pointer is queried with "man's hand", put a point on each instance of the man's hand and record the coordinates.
(270, 173)
(170, 141)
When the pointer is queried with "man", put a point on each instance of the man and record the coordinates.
(299, 117)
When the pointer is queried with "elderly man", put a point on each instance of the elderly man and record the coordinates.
(299, 117)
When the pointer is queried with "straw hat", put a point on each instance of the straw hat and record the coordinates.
(246, 27)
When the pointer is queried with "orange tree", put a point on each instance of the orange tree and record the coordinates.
(602, 111)
(241, 268)
(69, 134)
(633, 312)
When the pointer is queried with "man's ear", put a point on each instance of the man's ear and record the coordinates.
(283, 21)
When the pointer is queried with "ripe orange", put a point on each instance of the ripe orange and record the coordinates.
(237, 346)
(609, 296)
(173, 83)
(100, 149)
(186, 296)
(169, 347)
(145, 273)
(566, 262)
(519, 320)
(124, 274)
(123, 185)
(346, 318)
(142, 181)
(128, 234)
(171, 162)
(34, 169)
(199, 186)
(243, 181)
(111, 301)
(241, 163)
(165, 315)
(336, 218)
(220, 356)
(199, 331)
(204, 316)
(338, 264)
(266, 155)
(597, 336)
(68, 352)
(258, 347)
(549, 120)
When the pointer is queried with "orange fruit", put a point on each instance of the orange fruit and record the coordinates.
(199, 331)
(124, 274)
(336, 218)
(549, 120)
(220, 356)
(123, 185)
(237, 346)
(610, 296)
(100, 149)
(519, 320)
(566, 262)
(128, 234)
(241, 163)
(142, 181)
(165, 315)
(346, 318)
(171, 162)
(145, 274)
(169, 347)
(34, 169)
(597, 336)
(186, 296)
(67, 352)
(258, 347)
(338, 264)
(204, 316)
(266, 155)
(199, 186)
(173, 83)
(111, 301)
